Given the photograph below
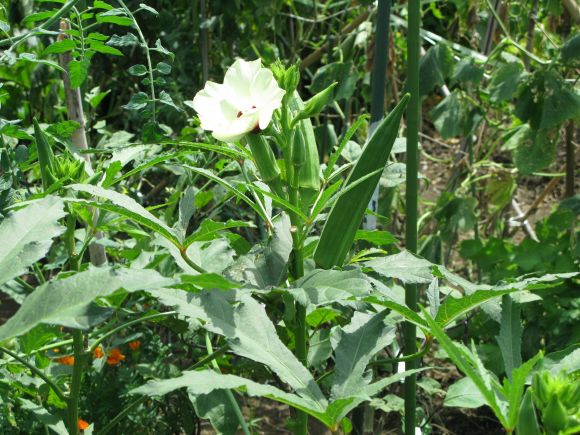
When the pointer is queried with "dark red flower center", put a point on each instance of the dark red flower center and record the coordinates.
(240, 113)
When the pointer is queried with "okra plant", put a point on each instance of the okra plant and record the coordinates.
(273, 292)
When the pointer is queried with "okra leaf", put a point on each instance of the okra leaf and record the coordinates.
(27, 234)
(206, 381)
(127, 207)
(403, 266)
(465, 363)
(322, 287)
(510, 335)
(249, 332)
(68, 301)
(355, 345)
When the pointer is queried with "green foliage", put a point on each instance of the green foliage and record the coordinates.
(345, 216)
(557, 399)
(254, 248)
(27, 236)
(436, 67)
(68, 301)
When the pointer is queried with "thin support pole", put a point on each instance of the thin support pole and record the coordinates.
(413, 123)
(570, 159)
(74, 104)
(378, 84)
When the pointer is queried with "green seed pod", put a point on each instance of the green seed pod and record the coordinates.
(316, 104)
(265, 162)
(45, 156)
(298, 149)
(527, 421)
(298, 157)
(348, 211)
(309, 178)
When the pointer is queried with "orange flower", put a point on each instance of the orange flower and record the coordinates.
(82, 425)
(98, 352)
(66, 360)
(134, 345)
(115, 356)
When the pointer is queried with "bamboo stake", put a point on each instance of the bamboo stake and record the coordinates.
(316, 55)
(74, 105)
(570, 159)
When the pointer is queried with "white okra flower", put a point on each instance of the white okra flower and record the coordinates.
(245, 101)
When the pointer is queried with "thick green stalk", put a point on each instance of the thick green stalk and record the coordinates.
(380, 61)
(266, 162)
(300, 333)
(77, 377)
(413, 120)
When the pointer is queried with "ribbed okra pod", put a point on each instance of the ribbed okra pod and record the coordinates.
(347, 212)
(266, 162)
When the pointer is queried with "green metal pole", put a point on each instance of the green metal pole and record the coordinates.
(363, 413)
(380, 61)
(378, 84)
(413, 122)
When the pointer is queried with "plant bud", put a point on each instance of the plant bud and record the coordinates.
(554, 415)
(291, 79)
(315, 105)
(45, 156)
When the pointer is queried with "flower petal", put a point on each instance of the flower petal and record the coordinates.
(237, 129)
(264, 88)
(238, 80)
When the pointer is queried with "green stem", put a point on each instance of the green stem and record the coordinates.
(255, 195)
(145, 46)
(411, 198)
(69, 239)
(48, 23)
(113, 331)
(229, 393)
(24, 284)
(77, 377)
(37, 372)
(509, 38)
(39, 274)
(301, 333)
(112, 423)
(190, 262)
(417, 355)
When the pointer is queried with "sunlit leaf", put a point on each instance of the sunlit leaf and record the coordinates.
(27, 235)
